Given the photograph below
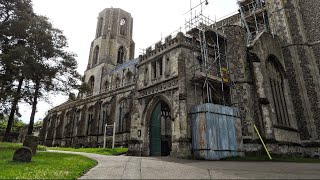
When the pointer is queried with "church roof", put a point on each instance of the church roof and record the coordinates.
(125, 65)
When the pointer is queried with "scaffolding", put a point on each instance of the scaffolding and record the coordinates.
(210, 66)
(254, 18)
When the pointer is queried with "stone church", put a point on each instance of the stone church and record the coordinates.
(262, 64)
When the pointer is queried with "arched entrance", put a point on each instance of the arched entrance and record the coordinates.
(160, 130)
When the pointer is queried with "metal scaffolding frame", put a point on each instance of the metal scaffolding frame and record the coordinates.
(253, 17)
(206, 39)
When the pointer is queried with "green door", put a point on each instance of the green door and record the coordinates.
(155, 131)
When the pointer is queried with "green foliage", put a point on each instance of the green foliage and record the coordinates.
(14, 17)
(38, 123)
(44, 165)
(18, 124)
(102, 151)
(84, 88)
(33, 59)
(41, 148)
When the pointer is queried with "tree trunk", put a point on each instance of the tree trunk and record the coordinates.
(34, 107)
(13, 111)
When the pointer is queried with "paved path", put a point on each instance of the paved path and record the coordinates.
(128, 167)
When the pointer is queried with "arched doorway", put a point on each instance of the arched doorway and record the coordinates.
(160, 130)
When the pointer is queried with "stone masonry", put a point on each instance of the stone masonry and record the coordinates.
(272, 77)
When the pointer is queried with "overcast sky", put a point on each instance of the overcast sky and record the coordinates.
(152, 19)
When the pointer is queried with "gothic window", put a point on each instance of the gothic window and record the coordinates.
(275, 74)
(118, 82)
(146, 76)
(95, 56)
(49, 122)
(157, 68)
(77, 121)
(99, 28)
(67, 124)
(160, 66)
(124, 81)
(121, 55)
(105, 114)
(90, 119)
(106, 85)
(91, 84)
(129, 77)
(154, 69)
(123, 115)
(167, 67)
(67, 118)
(123, 26)
(57, 121)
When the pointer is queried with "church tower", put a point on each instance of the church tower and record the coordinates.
(112, 46)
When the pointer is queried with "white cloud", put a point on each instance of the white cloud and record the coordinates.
(152, 18)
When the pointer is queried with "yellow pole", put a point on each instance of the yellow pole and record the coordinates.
(265, 147)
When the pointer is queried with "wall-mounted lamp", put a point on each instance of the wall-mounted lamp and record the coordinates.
(139, 133)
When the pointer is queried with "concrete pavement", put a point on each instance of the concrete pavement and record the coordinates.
(128, 167)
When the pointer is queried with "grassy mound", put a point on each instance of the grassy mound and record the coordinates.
(44, 165)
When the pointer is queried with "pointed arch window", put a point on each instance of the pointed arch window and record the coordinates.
(91, 84)
(118, 82)
(121, 55)
(95, 56)
(276, 80)
(129, 77)
(90, 119)
(123, 26)
(146, 76)
(77, 122)
(122, 125)
(106, 85)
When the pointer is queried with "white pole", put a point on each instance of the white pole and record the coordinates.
(104, 136)
(114, 134)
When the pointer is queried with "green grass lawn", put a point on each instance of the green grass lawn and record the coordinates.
(44, 165)
(107, 151)
(275, 158)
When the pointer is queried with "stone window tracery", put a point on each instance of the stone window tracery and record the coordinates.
(118, 82)
(121, 55)
(157, 68)
(129, 77)
(123, 116)
(277, 90)
(90, 119)
(106, 85)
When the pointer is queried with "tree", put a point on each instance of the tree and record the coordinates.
(33, 60)
(15, 16)
(18, 124)
(53, 69)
